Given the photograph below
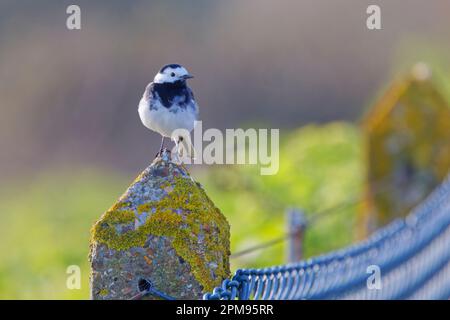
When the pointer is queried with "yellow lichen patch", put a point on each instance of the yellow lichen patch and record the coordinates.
(146, 207)
(103, 292)
(180, 215)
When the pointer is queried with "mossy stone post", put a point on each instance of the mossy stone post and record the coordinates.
(407, 148)
(164, 229)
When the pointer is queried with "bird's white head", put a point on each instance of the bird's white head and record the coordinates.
(171, 73)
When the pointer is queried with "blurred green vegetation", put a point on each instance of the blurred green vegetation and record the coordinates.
(45, 228)
(46, 219)
(320, 168)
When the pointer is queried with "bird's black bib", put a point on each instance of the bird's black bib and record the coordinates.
(172, 93)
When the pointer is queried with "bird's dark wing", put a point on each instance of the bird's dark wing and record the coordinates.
(148, 92)
(151, 96)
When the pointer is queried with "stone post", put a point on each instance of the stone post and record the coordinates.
(163, 229)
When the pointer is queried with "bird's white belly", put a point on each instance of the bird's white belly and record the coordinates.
(163, 121)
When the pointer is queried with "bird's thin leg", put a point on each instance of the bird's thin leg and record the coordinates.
(161, 148)
(162, 145)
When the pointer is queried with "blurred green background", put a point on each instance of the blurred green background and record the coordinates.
(71, 140)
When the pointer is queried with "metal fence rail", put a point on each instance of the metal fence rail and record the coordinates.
(413, 255)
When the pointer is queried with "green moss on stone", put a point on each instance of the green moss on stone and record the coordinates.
(183, 215)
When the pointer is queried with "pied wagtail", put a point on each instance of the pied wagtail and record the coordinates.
(168, 104)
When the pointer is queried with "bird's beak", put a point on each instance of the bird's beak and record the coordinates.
(188, 76)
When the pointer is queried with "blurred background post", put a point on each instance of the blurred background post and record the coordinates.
(296, 227)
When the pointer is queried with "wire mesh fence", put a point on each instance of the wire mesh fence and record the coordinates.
(412, 255)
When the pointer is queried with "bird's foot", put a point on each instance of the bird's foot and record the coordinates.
(163, 153)
(159, 153)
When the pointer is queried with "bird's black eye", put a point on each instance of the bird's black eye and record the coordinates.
(173, 74)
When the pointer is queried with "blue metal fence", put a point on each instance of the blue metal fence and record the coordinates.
(413, 255)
